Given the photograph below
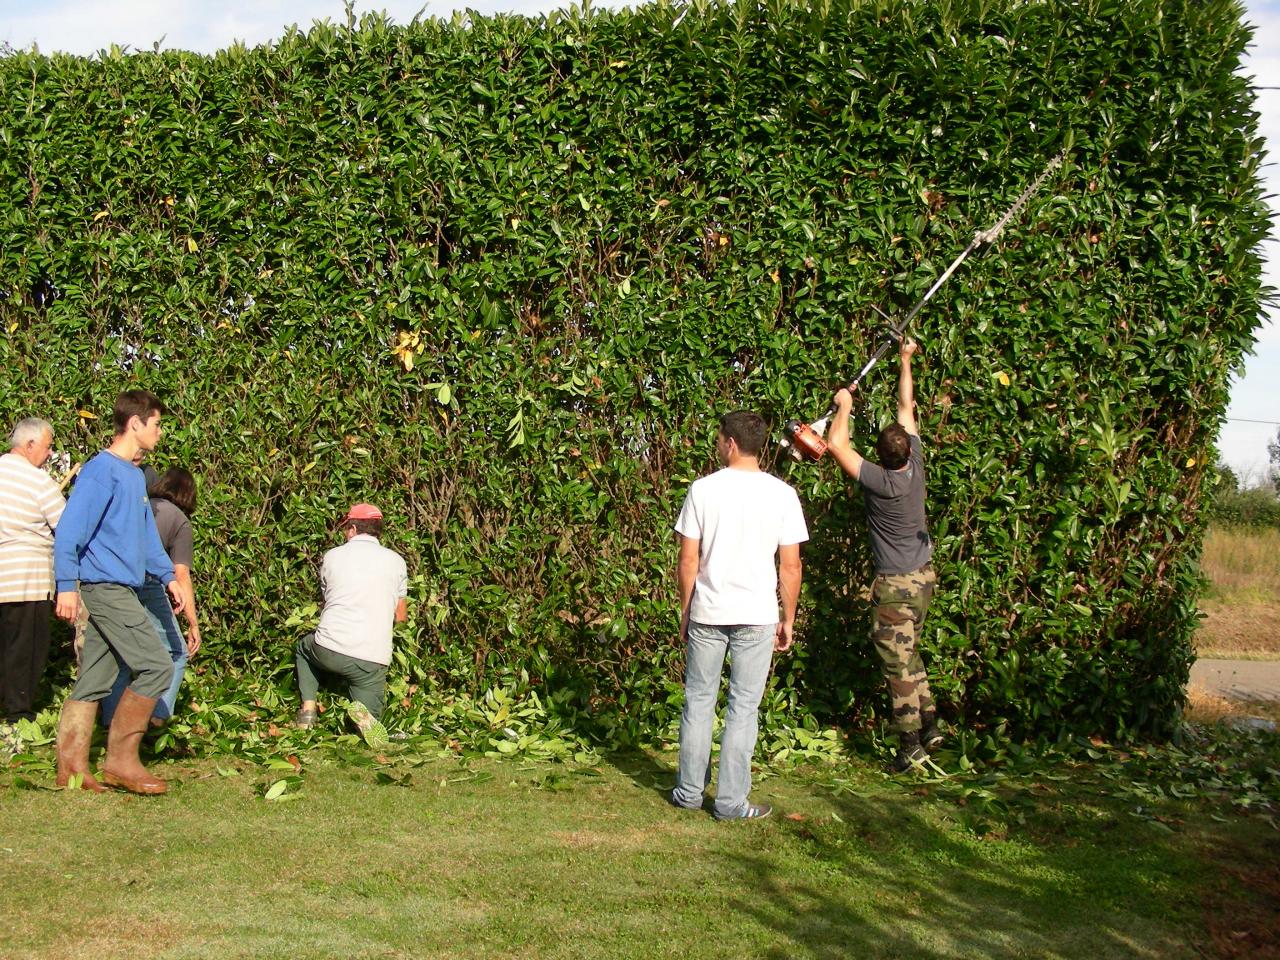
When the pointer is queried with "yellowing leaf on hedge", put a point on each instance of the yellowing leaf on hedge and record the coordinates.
(88, 415)
(99, 215)
(192, 246)
(775, 276)
(168, 201)
(1003, 378)
(13, 326)
(515, 222)
(1191, 462)
(407, 359)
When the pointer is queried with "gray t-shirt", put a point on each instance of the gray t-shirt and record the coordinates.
(895, 514)
(175, 532)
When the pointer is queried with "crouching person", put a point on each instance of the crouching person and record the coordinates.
(364, 586)
(107, 542)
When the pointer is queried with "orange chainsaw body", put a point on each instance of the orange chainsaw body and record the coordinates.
(805, 440)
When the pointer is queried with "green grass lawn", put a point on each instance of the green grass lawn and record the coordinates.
(494, 859)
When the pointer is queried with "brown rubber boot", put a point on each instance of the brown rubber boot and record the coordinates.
(122, 768)
(75, 732)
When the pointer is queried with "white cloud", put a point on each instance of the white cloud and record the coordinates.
(87, 26)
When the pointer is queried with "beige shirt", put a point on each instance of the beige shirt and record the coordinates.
(30, 507)
(363, 583)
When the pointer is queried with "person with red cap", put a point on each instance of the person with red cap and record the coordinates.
(364, 586)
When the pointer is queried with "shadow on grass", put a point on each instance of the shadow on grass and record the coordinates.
(938, 892)
(891, 875)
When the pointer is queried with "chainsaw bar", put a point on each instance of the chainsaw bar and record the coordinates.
(804, 441)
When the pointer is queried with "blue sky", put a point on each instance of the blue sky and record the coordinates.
(86, 26)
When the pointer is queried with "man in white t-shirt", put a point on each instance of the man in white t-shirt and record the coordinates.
(731, 526)
(365, 586)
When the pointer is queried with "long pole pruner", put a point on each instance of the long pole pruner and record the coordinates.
(803, 441)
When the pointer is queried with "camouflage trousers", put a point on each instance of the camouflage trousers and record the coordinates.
(901, 601)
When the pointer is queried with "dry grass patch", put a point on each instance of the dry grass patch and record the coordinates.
(1239, 630)
(1242, 563)
(1242, 607)
(622, 840)
(1205, 707)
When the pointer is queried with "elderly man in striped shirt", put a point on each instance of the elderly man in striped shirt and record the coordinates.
(30, 507)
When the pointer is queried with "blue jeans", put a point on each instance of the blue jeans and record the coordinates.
(750, 650)
(155, 600)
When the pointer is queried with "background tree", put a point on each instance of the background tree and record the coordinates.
(1273, 452)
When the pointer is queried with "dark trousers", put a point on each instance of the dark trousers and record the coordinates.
(24, 650)
(366, 681)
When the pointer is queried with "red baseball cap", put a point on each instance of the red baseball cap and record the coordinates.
(363, 511)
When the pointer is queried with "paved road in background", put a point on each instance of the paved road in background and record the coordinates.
(1238, 679)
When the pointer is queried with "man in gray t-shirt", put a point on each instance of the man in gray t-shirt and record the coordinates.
(893, 492)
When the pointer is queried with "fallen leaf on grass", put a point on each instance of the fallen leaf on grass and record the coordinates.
(797, 817)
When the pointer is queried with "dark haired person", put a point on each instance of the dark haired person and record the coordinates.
(173, 500)
(107, 542)
(732, 525)
(894, 493)
(364, 586)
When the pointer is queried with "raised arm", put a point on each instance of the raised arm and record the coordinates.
(838, 436)
(906, 388)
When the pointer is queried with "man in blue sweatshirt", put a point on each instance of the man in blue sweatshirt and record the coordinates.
(105, 545)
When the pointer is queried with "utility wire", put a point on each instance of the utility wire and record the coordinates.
(1273, 423)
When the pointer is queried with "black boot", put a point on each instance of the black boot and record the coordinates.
(930, 735)
(911, 755)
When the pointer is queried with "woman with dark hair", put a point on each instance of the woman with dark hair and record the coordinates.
(173, 500)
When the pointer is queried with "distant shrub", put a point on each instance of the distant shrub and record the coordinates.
(1254, 507)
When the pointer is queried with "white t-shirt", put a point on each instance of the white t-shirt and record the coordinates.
(363, 583)
(741, 518)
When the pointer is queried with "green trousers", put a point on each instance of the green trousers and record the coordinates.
(366, 681)
(119, 632)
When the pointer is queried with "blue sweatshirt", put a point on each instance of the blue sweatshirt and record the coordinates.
(107, 533)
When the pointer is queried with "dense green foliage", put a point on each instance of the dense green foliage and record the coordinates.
(501, 277)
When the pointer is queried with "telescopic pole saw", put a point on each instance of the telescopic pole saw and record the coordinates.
(804, 441)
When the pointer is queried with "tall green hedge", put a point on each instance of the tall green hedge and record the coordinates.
(502, 275)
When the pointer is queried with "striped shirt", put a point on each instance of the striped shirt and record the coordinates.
(30, 506)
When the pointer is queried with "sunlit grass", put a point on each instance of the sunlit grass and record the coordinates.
(504, 860)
